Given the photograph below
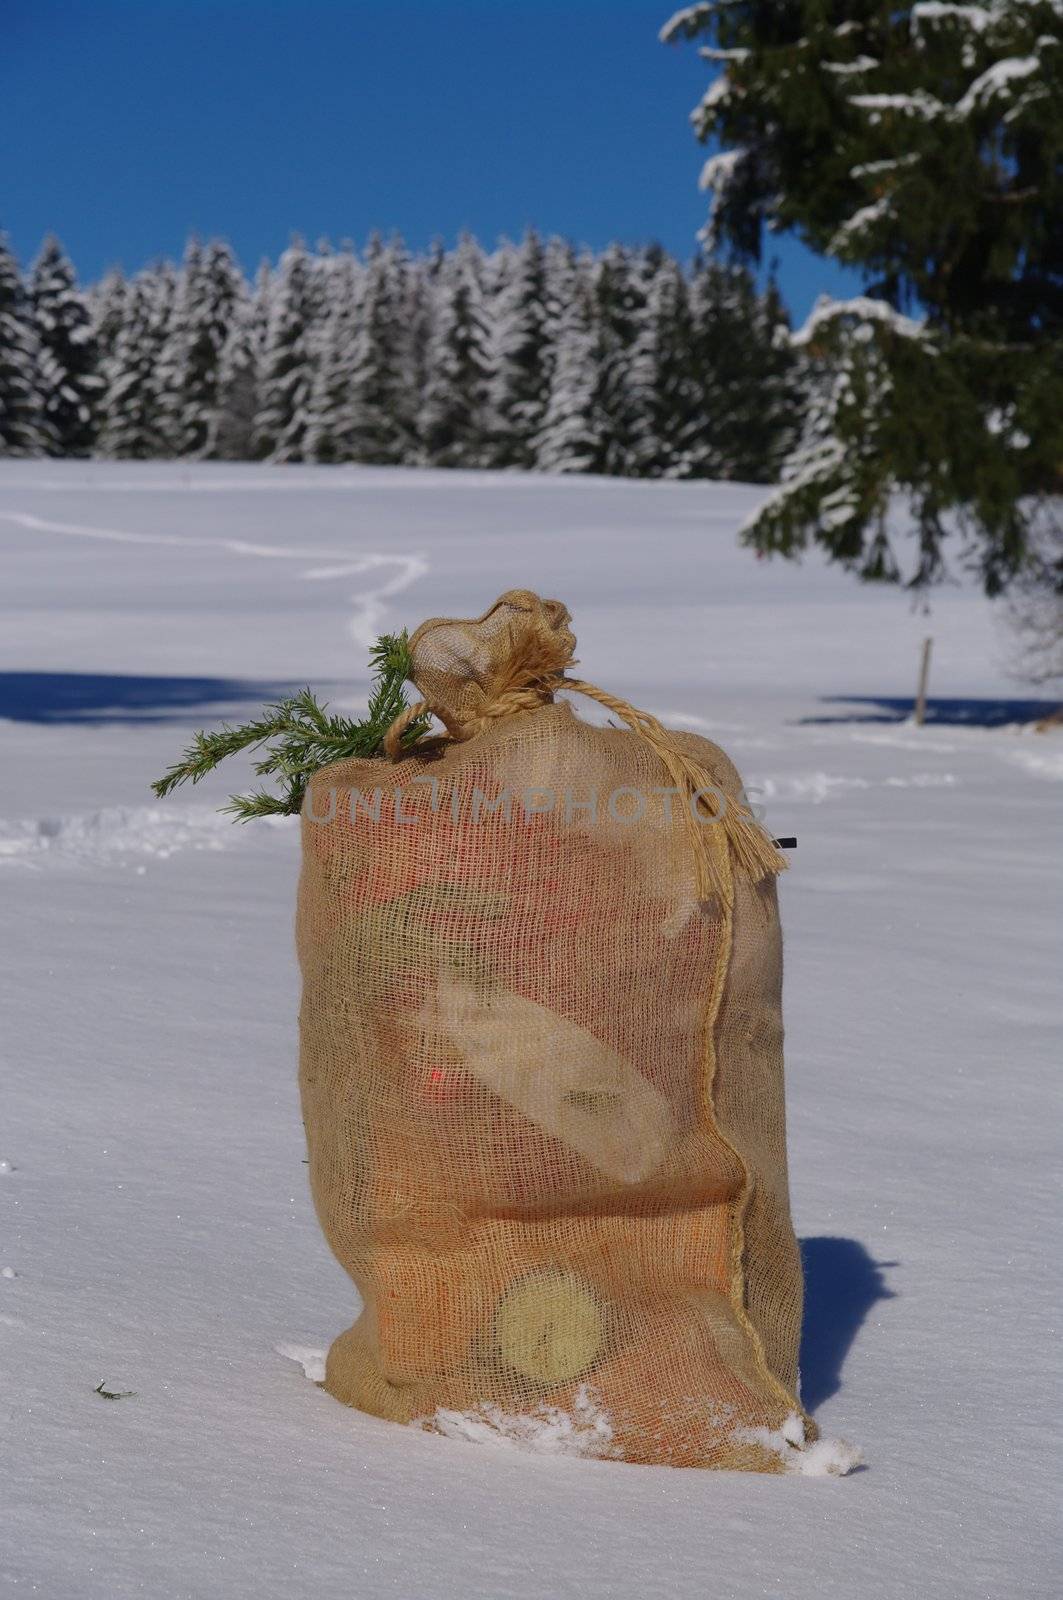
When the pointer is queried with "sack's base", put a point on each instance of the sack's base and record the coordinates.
(585, 1419)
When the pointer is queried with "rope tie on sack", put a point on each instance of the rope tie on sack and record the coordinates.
(724, 837)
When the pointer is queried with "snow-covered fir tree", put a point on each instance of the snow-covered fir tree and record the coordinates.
(105, 303)
(379, 411)
(24, 429)
(175, 351)
(621, 280)
(570, 436)
(240, 361)
(286, 379)
(416, 299)
(745, 397)
(210, 292)
(515, 352)
(659, 371)
(331, 435)
(231, 428)
(133, 419)
(453, 422)
(261, 303)
(69, 382)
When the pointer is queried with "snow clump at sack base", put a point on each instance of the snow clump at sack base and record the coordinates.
(541, 1072)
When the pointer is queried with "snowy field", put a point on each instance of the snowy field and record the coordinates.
(157, 1233)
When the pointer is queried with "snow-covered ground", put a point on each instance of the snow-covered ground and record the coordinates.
(157, 1234)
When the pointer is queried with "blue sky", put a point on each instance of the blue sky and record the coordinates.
(126, 124)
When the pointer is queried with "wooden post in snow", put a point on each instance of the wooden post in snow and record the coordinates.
(924, 674)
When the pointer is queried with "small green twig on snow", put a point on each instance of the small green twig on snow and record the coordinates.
(113, 1394)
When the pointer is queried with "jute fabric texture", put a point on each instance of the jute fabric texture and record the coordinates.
(541, 1064)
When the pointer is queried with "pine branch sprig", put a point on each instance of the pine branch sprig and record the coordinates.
(301, 736)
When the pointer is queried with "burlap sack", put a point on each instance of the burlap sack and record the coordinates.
(542, 1070)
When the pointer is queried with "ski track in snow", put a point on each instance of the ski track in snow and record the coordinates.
(369, 604)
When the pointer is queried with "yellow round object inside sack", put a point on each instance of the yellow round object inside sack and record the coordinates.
(549, 1327)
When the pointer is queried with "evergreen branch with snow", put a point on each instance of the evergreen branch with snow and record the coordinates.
(922, 146)
(861, 310)
(300, 736)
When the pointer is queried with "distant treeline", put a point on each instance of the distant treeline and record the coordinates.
(532, 355)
